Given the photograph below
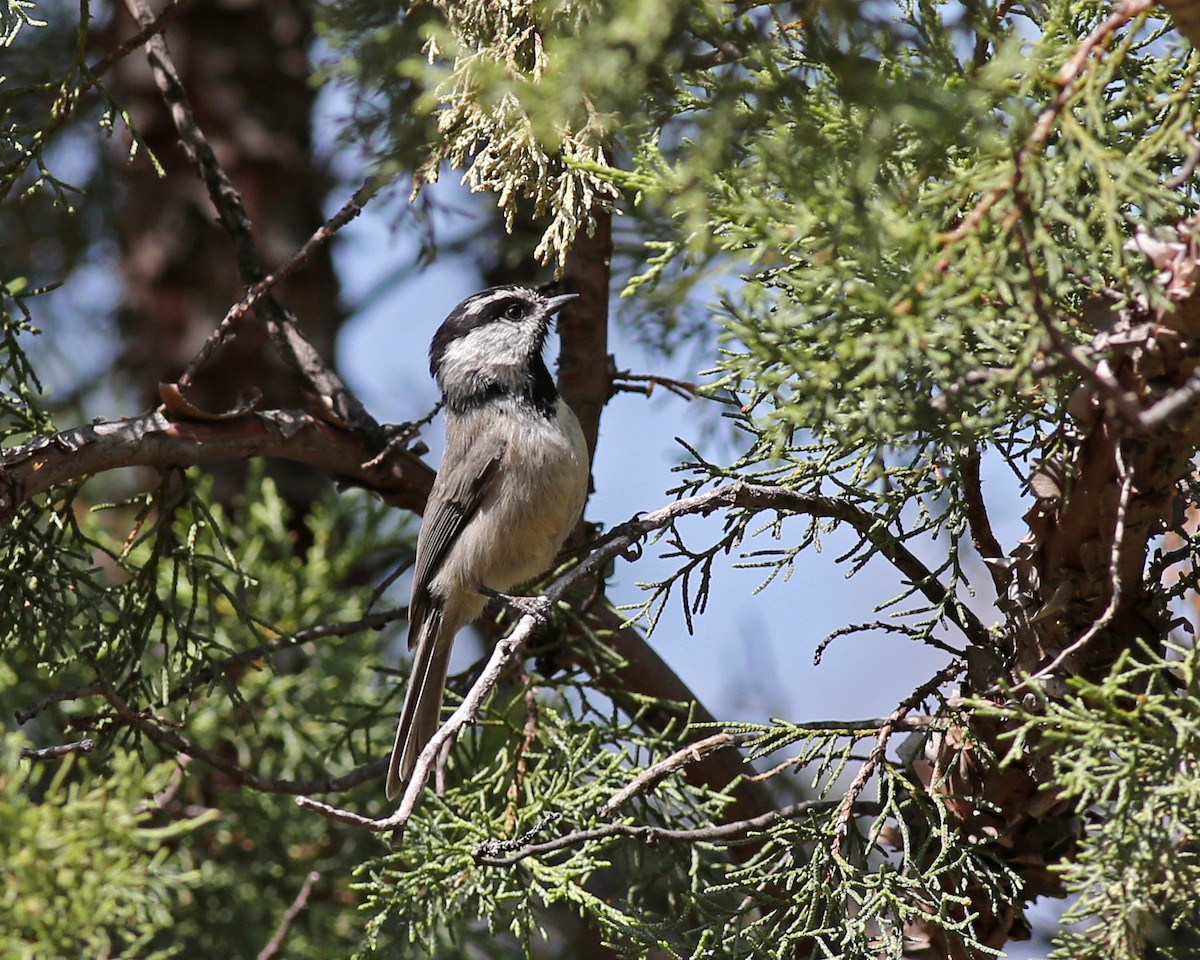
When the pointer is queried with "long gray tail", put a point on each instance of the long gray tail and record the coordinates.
(422, 704)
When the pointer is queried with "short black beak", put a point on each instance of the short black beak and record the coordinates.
(554, 304)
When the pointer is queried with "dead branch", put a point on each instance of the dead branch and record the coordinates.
(915, 699)
(156, 441)
(756, 497)
(59, 750)
(656, 772)
(224, 331)
(281, 326)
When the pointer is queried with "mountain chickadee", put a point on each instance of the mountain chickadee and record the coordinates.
(511, 487)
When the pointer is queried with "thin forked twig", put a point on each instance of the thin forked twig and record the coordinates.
(289, 915)
(322, 235)
(653, 774)
(321, 631)
(850, 801)
(883, 626)
(281, 326)
(59, 750)
(488, 853)
(25, 714)
(180, 745)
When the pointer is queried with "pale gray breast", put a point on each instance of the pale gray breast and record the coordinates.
(515, 536)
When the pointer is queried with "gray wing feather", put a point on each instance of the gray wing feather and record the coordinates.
(454, 501)
(452, 504)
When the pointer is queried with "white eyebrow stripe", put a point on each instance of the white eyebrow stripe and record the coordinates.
(478, 306)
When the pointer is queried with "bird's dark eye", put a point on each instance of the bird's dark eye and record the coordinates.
(514, 311)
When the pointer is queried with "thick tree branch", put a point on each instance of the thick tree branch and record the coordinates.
(982, 537)
(156, 441)
(584, 375)
(1079, 598)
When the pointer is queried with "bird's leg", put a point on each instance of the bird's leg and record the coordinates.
(537, 607)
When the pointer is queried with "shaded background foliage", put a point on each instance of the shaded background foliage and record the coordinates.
(900, 237)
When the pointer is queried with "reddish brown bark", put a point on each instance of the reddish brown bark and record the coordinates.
(1082, 597)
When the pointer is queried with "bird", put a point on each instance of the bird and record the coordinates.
(511, 487)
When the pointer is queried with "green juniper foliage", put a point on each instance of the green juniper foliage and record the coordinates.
(897, 234)
(87, 870)
(1123, 748)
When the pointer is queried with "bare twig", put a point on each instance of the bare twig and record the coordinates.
(285, 334)
(76, 693)
(728, 833)
(180, 745)
(644, 383)
(982, 537)
(167, 794)
(322, 631)
(850, 801)
(161, 21)
(382, 587)
(643, 683)
(653, 774)
(289, 915)
(884, 626)
(402, 434)
(322, 235)
(59, 750)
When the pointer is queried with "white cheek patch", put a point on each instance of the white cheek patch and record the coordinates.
(498, 348)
